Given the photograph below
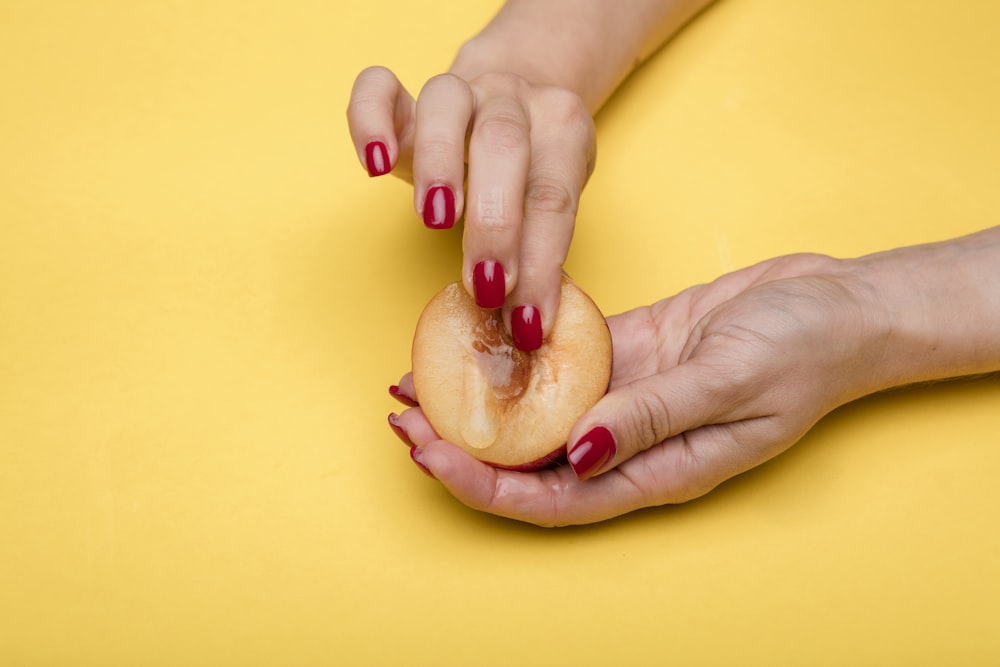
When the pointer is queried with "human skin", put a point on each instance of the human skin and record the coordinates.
(516, 107)
(724, 376)
(706, 384)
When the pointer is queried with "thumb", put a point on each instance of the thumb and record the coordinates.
(633, 417)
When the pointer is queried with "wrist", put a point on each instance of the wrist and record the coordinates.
(941, 307)
(585, 46)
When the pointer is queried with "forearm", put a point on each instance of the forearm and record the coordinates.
(941, 303)
(586, 46)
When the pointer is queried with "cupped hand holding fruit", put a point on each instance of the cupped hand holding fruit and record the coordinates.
(530, 149)
(721, 377)
(705, 385)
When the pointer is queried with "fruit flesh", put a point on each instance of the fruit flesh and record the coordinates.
(510, 408)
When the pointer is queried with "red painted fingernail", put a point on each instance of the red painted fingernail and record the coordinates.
(489, 284)
(592, 452)
(377, 158)
(439, 207)
(405, 399)
(415, 454)
(526, 328)
(399, 430)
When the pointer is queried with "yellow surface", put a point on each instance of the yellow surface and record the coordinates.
(203, 299)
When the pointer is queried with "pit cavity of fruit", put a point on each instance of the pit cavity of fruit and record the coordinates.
(495, 376)
(506, 369)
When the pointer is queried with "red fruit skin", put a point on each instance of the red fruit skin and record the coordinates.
(550, 460)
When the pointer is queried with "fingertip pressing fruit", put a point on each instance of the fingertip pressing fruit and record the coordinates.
(509, 408)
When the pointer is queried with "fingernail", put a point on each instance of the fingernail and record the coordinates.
(405, 399)
(399, 430)
(489, 284)
(377, 158)
(415, 454)
(526, 328)
(439, 207)
(592, 452)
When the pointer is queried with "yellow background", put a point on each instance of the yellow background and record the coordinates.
(203, 299)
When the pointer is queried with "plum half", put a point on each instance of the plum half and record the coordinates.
(508, 408)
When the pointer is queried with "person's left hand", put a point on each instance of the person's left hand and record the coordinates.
(510, 155)
(705, 385)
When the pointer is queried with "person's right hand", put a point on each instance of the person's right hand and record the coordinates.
(529, 149)
(705, 385)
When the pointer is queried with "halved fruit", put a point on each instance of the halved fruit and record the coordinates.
(506, 407)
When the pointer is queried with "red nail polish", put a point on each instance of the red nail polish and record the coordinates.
(377, 158)
(399, 430)
(397, 393)
(592, 452)
(415, 454)
(526, 328)
(439, 207)
(489, 284)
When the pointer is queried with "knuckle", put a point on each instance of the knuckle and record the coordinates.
(491, 213)
(702, 472)
(445, 83)
(502, 132)
(568, 110)
(819, 262)
(436, 149)
(500, 84)
(650, 420)
(566, 105)
(547, 195)
(376, 73)
(445, 79)
(374, 86)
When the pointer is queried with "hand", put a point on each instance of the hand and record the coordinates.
(530, 151)
(706, 385)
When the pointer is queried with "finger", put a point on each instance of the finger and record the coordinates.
(547, 498)
(444, 109)
(690, 465)
(562, 157)
(379, 115)
(679, 469)
(414, 425)
(552, 497)
(399, 431)
(499, 154)
(404, 392)
(521, 496)
(633, 417)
